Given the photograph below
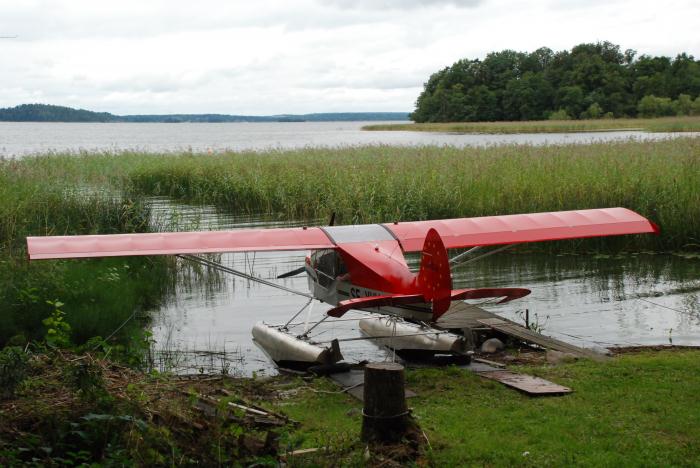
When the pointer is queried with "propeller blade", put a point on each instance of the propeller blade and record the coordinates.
(332, 220)
(291, 273)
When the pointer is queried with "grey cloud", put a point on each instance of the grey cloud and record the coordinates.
(401, 4)
(387, 81)
(580, 4)
(156, 84)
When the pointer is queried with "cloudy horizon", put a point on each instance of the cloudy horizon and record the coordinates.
(265, 58)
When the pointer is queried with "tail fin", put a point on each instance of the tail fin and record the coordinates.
(434, 277)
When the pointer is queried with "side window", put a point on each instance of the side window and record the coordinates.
(329, 266)
(325, 266)
(341, 271)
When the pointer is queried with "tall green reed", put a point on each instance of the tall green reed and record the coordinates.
(57, 196)
(659, 179)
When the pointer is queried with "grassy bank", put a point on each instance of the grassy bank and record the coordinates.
(663, 124)
(633, 410)
(636, 410)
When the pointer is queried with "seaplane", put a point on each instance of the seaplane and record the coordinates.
(364, 268)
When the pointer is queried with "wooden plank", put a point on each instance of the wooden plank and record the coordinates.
(526, 383)
(518, 331)
(465, 316)
(475, 317)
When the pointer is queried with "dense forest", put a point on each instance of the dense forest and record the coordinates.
(46, 113)
(590, 81)
(49, 113)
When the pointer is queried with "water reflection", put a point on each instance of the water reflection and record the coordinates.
(597, 300)
(588, 300)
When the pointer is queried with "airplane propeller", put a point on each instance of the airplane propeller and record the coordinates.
(292, 273)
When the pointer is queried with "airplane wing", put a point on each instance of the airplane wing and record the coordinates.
(455, 233)
(170, 243)
(514, 229)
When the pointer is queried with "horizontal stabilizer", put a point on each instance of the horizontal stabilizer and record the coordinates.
(374, 301)
(461, 317)
(508, 294)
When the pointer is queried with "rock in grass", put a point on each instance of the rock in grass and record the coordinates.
(558, 357)
(492, 345)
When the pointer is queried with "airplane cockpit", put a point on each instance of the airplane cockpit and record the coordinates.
(329, 266)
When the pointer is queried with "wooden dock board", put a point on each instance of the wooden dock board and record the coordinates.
(529, 384)
(475, 317)
(353, 382)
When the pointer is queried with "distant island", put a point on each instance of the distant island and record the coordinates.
(50, 113)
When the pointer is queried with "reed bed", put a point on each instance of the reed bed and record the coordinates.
(663, 124)
(660, 180)
(56, 196)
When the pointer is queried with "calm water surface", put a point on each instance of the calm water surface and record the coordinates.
(592, 301)
(18, 139)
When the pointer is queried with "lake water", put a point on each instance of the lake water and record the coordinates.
(590, 301)
(22, 138)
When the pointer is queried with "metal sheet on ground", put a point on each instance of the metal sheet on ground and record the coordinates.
(353, 383)
(526, 383)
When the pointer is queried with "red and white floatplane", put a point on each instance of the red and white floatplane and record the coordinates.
(363, 267)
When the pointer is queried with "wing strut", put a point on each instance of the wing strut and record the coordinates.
(225, 269)
(455, 261)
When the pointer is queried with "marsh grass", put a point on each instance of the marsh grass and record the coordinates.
(659, 179)
(40, 198)
(662, 124)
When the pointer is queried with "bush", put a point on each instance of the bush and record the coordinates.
(594, 111)
(684, 104)
(652, 106)
(695, 110)
(14, 364)
(559, 115)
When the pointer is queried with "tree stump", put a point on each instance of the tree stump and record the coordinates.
(385, 415)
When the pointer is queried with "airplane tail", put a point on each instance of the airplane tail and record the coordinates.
(434, 277)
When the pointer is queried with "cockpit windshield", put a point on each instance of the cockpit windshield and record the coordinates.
(329, 267)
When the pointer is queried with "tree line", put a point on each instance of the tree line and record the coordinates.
(50, 113)
(589, 81)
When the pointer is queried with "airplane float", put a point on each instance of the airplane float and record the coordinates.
(363, 267)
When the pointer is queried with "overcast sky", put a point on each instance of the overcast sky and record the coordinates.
(272, 57)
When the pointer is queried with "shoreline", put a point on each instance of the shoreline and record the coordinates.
(162, 419)
(651, 125)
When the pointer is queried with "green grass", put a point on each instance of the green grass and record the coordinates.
(663, 124)
(636, 410)
(44, 198)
